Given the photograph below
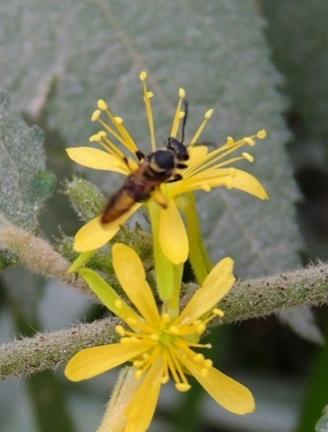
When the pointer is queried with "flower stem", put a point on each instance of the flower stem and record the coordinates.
(114, 418)
(198, 255)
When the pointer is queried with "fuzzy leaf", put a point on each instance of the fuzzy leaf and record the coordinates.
(215, 50)
(24, 181)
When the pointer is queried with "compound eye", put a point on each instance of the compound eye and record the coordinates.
(164, 159)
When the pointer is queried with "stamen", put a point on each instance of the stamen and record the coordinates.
(261, 134)
(200, 129)
(182, 387)
(249, 141)
(218, 312)
(95, 115)
(198, 358)
(208, 363)
(154, 337)
(138, 363)
(129, 142)
(177, 116)
(182, 382)
(196, 345)
(149, 111)
(248, 157)
(102, 105)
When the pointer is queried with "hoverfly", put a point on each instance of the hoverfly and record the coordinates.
(155, 168)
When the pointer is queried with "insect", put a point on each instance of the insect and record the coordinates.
(155, 168)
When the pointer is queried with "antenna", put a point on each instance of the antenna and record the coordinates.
(184, 120)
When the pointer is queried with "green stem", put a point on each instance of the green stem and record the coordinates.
(198, 255)
(168, 275)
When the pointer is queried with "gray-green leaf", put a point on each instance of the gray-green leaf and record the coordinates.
(24, 181)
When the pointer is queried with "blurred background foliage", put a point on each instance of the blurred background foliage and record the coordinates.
(260, 64)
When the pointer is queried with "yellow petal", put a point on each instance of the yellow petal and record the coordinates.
(172, 234)
(96, 159)
(97, 360)
(227, 392)
(246, 182)
(217, 283)
(132, 277)
(142, 407)
(94, 234)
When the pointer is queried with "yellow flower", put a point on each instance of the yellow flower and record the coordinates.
(206, 170)
(159, 345)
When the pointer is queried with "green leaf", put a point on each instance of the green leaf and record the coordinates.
(215, 50)
(24, 182)
(300, 51)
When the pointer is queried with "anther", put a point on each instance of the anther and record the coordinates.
(138, 363)
(118, 120)
(154, 337)
(165, 379)
(102, 105)
(218, 312)
(182, 92)
(261, 134)
(248, 157)
(102, 134)
(149, 94)
(206, 187)
(182, 387)
(198, 357)
(230, 141)
(94, 138)
(95, 115)
(249, 141)
(143, 75)
(209, 113)
(208, 363)
(200, 328)
(120, 330)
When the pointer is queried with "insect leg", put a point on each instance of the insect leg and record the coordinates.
(175, 178)
(140, 155)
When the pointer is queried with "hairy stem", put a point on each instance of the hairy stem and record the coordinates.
(37, 255)
(248, 299)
